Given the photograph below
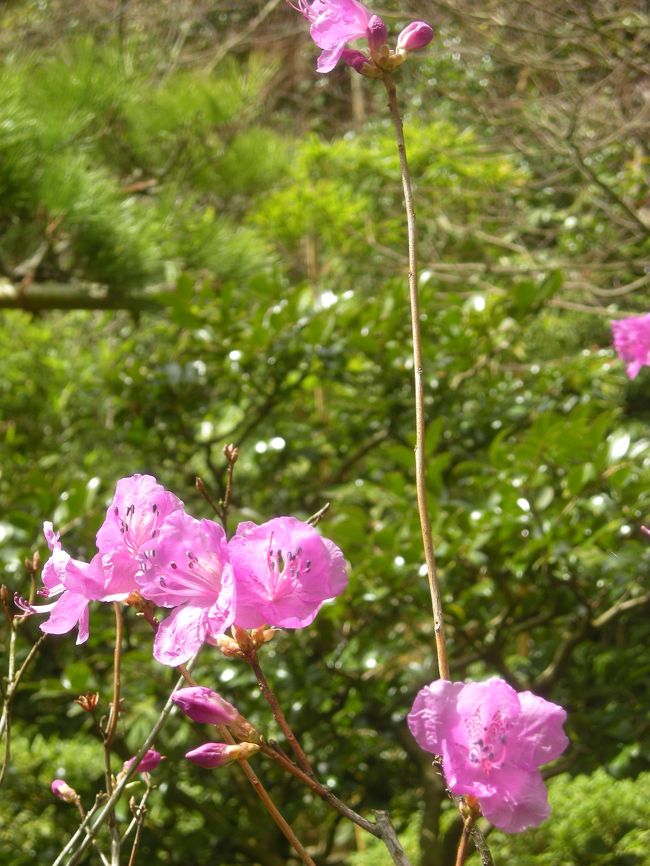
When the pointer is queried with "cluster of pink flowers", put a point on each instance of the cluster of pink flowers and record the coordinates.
(492, 741)
(276, 574)
(632, 342)
(334, 23)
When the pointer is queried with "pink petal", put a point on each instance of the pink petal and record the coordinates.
(181, 635)
(433, 711)
(329, 57)
(536, 737)
(66, 613)
(520, 802)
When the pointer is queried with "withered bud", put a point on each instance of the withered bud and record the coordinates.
(243, 729)
(4, 601)
(88, 701)
(136, 600)
(200, 486)
(229, 647)
(243, 639)
(32, 564)
(231, 453)
(261, 635)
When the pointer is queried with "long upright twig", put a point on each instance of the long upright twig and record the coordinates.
(111, 727)
(418, 369)
(13, 680)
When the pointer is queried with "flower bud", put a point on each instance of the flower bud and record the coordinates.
(355, 59)
(64, 792)
(148, 762)
(205, 706)
(377, 35)
(416, 35)
(211, 755)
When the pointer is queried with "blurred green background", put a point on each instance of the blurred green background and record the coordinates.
(202, 241)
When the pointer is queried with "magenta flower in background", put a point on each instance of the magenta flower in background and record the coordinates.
(284, 571)
(205, 706)
(76, 584)
(333, 24)
(492, 741)
(148, 762)
(632, 342)
(133, 521)
(189, 570)
(63, 791)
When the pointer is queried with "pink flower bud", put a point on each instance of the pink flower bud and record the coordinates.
(355, 59)
(64, 792)
(377, 34)
(205, 706)
(149, 762)
(416, 35)
(211, 755)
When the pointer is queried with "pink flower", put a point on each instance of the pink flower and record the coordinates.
(211, 755)
(133, 520)
(205, 706)
(148, 762)
(64, 792)
(333, 24)
(189, 570)
(414, 36)
(492, 741)
(284, 571)
(76, 583)
(632, 342)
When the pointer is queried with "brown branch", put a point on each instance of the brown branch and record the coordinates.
(276, 709)
(418, 368)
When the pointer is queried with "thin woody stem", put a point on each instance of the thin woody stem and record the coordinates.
(111, 727)
(382, 829)
(272, 701)
(418, 368)
(463, 845)
(259, 788)
(109, 733)
(82, 813)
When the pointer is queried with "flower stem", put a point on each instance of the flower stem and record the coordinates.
(272, 701)
(418, 367)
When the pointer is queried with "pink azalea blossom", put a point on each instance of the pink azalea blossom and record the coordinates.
(63, 791)
(189, 570)
(284, 571)
(133, 521)
(333, 24)
(205, 706)
(148, 762)
(632, 342)
(76, 584)
(492, 741)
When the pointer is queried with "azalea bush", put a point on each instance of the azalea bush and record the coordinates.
(514, 482)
